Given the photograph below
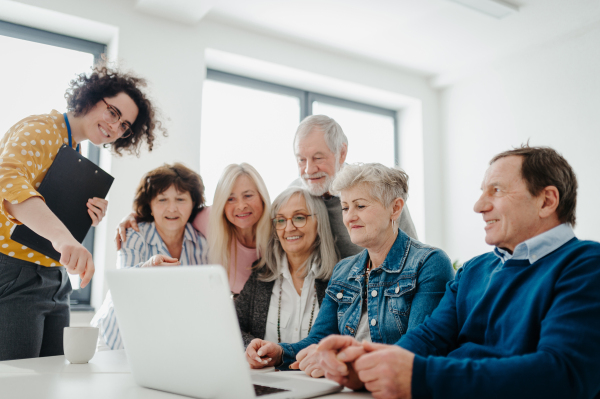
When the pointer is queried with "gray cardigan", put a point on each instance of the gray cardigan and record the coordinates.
(252, 305)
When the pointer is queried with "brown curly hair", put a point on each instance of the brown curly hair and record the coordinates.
(159, 180)
(85, 92)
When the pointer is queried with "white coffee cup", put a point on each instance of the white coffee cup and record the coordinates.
(80, 343)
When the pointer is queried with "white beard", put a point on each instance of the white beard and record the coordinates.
(320, 189)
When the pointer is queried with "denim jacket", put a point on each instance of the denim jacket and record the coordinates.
(401, 292)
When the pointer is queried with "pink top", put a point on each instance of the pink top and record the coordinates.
(200, 222)
(239, 271)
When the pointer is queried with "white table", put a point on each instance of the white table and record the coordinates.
(106, 376)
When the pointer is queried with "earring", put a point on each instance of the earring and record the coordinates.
(393, 229)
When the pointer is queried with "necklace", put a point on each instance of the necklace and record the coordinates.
(312, 312)
(367, 273)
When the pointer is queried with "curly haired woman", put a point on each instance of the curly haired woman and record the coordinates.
(105, 107)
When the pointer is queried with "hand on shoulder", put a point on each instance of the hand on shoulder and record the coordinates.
(126, 223)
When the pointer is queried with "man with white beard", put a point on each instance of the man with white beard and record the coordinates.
(320, 147)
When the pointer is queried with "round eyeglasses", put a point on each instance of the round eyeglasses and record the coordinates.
(298, 221)
(113, 115)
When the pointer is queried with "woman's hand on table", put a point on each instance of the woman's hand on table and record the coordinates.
(260, 353)
(126, 223)
(161, 260)
(308, 362)
(97, 209)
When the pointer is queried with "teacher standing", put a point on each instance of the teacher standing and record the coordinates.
(107, 108)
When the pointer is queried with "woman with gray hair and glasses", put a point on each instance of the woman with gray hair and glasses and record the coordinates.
(281, 300)
(378, 294)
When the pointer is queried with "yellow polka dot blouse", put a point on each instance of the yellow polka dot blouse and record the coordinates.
(26, 152)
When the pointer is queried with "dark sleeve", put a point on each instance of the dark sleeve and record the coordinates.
(321, 286)
(564, 365)
(434, 273)
(437, 335)
(244, 304)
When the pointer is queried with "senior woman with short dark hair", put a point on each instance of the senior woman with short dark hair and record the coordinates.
(281, 300)
(166, 201)
(380, 293)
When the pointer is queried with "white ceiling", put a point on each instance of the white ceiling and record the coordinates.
(435, 38)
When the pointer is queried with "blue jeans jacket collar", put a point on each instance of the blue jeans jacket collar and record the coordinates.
(394, 261)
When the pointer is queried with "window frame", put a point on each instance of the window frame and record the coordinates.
(80, 299)
(306, 99)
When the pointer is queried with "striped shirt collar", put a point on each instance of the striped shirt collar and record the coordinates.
(539, 246)
(155, 239)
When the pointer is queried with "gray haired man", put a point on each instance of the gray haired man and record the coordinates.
(320, 147)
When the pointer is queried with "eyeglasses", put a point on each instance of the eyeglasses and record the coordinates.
(113, 115)
(298, 221)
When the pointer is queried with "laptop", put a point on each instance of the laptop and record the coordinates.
(181, 335)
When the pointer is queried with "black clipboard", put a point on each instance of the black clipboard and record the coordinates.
(71, 180)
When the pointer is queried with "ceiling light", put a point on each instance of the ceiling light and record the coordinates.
(495, 8)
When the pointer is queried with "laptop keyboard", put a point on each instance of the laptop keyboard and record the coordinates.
(261, 390)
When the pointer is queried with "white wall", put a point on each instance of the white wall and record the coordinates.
(171, 56)
(550, 95)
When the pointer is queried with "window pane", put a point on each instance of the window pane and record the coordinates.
(33, 78)
(370, 136)
(247, 125)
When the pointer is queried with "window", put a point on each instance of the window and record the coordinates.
(370, 131)
(242, 124)
(247, 120)
(36, 69)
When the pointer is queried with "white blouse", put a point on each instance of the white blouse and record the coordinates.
(295, 309)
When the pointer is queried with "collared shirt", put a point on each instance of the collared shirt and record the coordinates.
(141, 246)
(539, 246)
(138, 248)
(295, 315)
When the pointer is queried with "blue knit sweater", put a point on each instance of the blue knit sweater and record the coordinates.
(514, 330)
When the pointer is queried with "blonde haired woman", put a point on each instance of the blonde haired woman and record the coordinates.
(237, 225)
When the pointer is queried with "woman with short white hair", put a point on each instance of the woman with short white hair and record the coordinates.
(380, 293)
